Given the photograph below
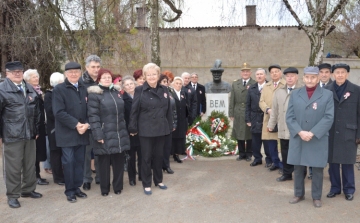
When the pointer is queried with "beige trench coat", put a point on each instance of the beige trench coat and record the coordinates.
(265, 102)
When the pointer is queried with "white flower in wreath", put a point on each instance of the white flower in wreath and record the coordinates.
(210, 152)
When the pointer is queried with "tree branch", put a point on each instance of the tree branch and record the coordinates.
(334, 14)
(174, 9)
(301, 24)
(311, 9)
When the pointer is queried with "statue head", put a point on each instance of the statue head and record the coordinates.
(217, 71)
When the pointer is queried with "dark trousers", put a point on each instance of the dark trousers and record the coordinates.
(37, 169)
(87, 162)
(245, 150)
(348, 178)
(132, 162)
(117, 162)
(273, 151)
(167, 151)
(56, 165)
(256, 148)
(288, 169)
(19, 168)
(152, 158)
(316, 182)
(73, 164)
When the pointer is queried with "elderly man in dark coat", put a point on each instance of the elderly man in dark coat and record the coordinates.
(345, 132)
(254, 118)
(237, 107)
(71, 125)
(309, 118)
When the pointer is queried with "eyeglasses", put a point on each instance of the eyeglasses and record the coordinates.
(16, 71)
(129, 84)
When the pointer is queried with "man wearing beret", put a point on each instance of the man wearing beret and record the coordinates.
(278, 116)
(325, 74)
(19, 127)
(237, 107)
(266, 99)
(71, 125)
(309, 118)
(344, 133)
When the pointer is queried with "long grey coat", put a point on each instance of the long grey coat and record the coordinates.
(345, 129)
(315, 115)
(237, 108)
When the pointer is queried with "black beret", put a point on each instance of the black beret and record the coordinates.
(324, 65)
(291, 70)
(274, 66)
(340, 65)
(72, 65)
(14, 65)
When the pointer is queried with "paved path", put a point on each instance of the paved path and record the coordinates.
(205, 190)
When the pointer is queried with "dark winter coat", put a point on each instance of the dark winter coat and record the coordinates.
(50, 120)
(346, 127)
(253, 113)
(192, 102)
(106, 113)
(134, 140)
(151, 113)
(173, 108)
(182, 114)
(86, 80)
(69, 107)
(201, 98)
(19, 115)
(41, 140)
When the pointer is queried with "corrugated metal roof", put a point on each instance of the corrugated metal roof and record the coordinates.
(219, 27)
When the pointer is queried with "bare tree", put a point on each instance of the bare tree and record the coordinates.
(323, 16)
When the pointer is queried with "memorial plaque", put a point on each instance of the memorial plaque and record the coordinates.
(217, 102)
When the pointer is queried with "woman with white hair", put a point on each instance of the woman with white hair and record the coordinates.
(55, 152)
(32, 77)
(151, 119)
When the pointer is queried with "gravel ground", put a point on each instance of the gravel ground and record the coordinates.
(205, 190)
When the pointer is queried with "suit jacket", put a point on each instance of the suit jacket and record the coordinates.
(201, 98)
(253, 112)
(265, 103)
(182, 114)
(237, 107)
(192, 102)
(315, 115)
(329, 82)
(346, 127)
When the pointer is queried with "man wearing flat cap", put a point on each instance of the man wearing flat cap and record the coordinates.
(278, 116)
(324, 74)
(309, 117)
(344, 133)
(19, 127)
(237, 107)
(71, 125)
(266, 99)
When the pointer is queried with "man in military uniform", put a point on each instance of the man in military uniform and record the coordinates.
(237, 107)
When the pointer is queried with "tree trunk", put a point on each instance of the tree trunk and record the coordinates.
(154, 32)
(317, 49)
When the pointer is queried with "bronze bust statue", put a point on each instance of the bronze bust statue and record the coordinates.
(217, 85)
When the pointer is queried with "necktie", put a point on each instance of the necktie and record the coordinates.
(322, 85)
(244, 83)
(194, 86)
(290, 89)
(260, 89)
(275, 84)
(20, 88)
(76, 85)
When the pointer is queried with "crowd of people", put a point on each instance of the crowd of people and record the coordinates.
(118, 121)
(137, 122)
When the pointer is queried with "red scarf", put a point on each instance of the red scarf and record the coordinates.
(310, 91)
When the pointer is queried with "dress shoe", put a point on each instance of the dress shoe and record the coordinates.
(61, 183)
(255, 163)
(295, 200)
(168, 170)
(104, 194)
(41, 181)
(349, 197)
(147, 192)
(87, 186)
(49, 171)
(283, 178)
(97, 182)
(71, 198)
(177, 159)
(317, 203)
(118, 192)
(239, 158)
(32, 194)
(162, 187)
(268, 165)
(81, 194)
(248, 159)
(273, 167)
(331, 194)
(13, 203)
(132, 183)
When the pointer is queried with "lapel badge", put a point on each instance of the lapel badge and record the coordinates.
(189, 91)
(165, 95)
(30, 98)
(347, 94)
(200, 92)
(315, 106)
(182, 96)
(119, 95)
(86, 99)
(247, 87)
